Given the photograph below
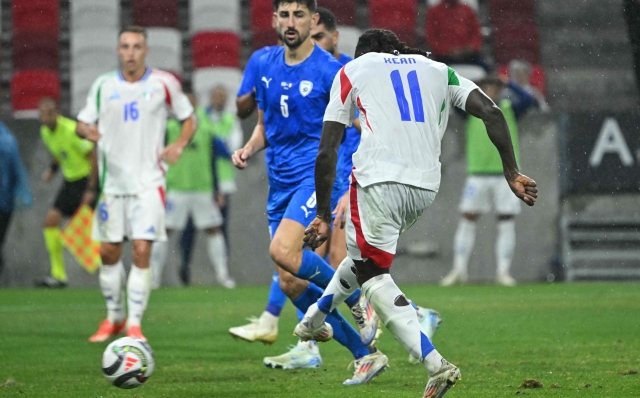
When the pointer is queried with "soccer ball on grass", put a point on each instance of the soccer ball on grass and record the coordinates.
(127, 362)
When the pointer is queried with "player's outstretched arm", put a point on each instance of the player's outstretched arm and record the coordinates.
(482, 107)
(88, 132)
(256, 143)
(171, 153)
(325, 174)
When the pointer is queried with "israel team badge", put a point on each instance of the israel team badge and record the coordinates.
(305, 87)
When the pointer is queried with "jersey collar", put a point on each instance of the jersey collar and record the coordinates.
(144, 77)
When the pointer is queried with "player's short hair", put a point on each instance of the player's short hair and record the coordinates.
(491, 81)
(44, 101)
(312, 5)
(134, 29)
(384, 41)
(327, 18)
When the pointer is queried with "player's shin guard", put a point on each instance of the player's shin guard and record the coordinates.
(277, 298)
(111, 283)
(505, 245)
(158, 260)
(343, 332)
(401, 319)
(315, 269)
(342, 286)
(138, 289)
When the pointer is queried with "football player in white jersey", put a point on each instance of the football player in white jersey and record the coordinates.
(404, 100)
(126, 114)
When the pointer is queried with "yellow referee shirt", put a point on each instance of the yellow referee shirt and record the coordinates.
(69, 150)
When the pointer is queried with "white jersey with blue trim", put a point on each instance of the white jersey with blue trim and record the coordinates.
(131, 118)
(404, 104)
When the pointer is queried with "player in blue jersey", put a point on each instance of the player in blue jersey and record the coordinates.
(295, 82)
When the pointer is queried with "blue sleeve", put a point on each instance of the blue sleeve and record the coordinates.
(220, 148)
(250, 76)
(521, 99)
(261, 92)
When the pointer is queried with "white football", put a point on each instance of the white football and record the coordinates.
(127, 362)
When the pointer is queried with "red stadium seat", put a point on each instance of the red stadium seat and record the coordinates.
(344, 10)
(261, 18)
(511, 12)
(162, 13)
(216, 49)
(398, 16)
(538, 78)
(29, 86)
(35, 50)
(35, 15)
(516, 42)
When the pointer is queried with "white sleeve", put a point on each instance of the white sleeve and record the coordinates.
(459, 89)
(91, 111)
(341, 107)
(178, 101)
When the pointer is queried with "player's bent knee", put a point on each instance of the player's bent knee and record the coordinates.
(109, 255)
(285, 256)
(368, 269)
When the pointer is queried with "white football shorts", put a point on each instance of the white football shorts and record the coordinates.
(199, 205)
(479, 192)
(135, 217)
(378, 214)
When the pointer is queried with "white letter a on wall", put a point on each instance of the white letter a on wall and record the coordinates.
(610, 140)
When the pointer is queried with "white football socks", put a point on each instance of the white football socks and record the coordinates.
(138, 289)
(158, 260)
(111, 281)
(341, 286)
(505, 245)
(401, 320)
(217, 249)
(463, 244)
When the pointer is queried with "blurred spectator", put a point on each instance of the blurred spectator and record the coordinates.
(631, 9)
(486, 187)
(76, 159)
(520, 74)
(453, 33)
(190, 193)
(15, 192)
(226, 128)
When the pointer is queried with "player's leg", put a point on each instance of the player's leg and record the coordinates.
(206, 215)
(475, 201)
(145, 214)
(5, 220)
(186, 249)
(177, 213)
(507, 206)
(108, 228)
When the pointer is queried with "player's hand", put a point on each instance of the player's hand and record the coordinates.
(317, 232)
(92, 134)
(171, 153)
(88, 197)
(47, 175)
(340, 211)
(240, 157)
(524, 188)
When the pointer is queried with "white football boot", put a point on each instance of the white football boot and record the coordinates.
(441, 382)
(453, 277)
(430, 321)
(263, 329)
(506, 280)
(304, 355)
(367, 321)
(307, 331)
(367, 367)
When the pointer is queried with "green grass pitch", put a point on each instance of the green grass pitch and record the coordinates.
(578, 340)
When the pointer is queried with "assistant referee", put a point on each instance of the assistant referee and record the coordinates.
(76, 158)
